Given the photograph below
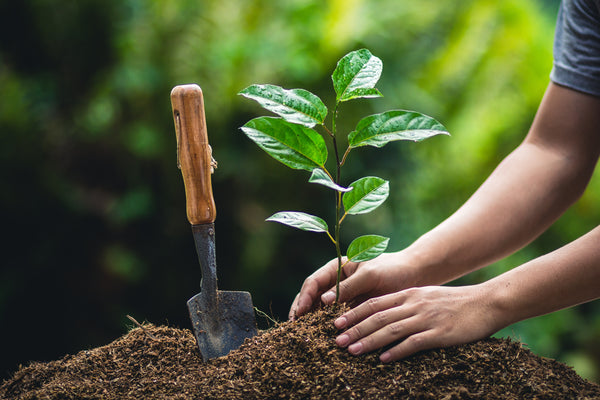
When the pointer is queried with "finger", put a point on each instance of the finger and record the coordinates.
(354, 283)
(330, 294)
(368, 308)
(413, 344)
(382, 328)
(389, 334)
(317, 283)
(293, 313)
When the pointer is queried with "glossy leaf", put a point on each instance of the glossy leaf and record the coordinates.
(365, 248)
(298, 106)
(300, 220)
(356, 75)
(320, 177)
(294, 145)
(367, 194)
(379, 129)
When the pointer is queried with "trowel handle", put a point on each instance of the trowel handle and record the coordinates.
(193, 152)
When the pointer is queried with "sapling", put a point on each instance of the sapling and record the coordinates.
(292, 140)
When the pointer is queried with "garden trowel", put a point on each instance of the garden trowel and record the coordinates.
(221, 319)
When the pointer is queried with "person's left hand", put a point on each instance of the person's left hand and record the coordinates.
(419, 318)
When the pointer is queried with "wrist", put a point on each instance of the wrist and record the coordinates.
(499, 299)
(426, 263)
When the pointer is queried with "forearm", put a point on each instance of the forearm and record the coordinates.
(526, 193)
(563, 278)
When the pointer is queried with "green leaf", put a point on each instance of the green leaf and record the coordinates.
(367, 194)
(379, 129)
(365, 248)
(356, 75)
(300, 220)
(298, 106)
(294, 145)
(319, 176)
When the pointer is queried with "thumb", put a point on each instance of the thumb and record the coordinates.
(350, 288)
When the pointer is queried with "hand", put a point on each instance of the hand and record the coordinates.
(419, 318)
(385, 274)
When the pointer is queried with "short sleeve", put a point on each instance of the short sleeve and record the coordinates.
(577, 46)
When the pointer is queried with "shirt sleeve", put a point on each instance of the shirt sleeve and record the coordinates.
(577, 46)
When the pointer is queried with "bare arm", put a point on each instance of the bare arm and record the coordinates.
(526, 193)
(563, 278)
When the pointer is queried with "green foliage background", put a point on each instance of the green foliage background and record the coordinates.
(92, 203)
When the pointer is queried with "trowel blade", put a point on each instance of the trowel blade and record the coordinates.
(222, 326)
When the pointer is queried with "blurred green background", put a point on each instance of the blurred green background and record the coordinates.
(92, 202)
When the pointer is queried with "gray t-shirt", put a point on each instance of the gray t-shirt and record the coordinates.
(577, 46)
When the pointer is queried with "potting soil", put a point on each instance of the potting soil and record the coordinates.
(294, 360)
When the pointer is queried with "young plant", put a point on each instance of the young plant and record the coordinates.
(292, 140)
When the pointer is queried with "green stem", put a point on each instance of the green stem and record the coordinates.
(331, 237)
(346, 155)
(327, 172)
(337, 246)
(343, 216)
(333, 120)
(338, 205)
(328, 131)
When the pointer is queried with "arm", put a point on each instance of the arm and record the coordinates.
(563, 278)
(524, 195)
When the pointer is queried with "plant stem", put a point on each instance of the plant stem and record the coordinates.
(328, 131)
(338, 205)
(331, 237)
(346, 155)
(337, 245)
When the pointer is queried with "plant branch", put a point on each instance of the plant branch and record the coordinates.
(343, 216)
(345, 155)
(328, 131)
(331, 237)
(327, 172)
(151, 336)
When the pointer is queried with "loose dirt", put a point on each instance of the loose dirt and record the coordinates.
(294, 360)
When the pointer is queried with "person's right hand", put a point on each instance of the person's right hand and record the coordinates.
(359, 281)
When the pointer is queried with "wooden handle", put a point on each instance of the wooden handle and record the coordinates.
(193, 153)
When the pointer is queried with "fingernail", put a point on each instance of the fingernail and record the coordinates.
(342, 340)
(328, 297)
(385, 357)
(355, 348)
(341, 322)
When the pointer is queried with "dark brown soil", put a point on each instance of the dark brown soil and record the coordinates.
(293, 361)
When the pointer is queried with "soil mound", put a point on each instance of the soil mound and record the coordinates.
(295, 360)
